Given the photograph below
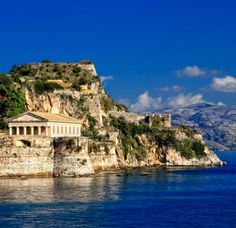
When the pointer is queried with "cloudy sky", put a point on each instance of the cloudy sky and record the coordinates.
(151, 54)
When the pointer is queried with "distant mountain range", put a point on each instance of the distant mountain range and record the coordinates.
(216, 123)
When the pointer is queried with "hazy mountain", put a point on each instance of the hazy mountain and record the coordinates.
(217, 123)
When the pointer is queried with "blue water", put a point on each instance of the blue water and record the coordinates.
(204, 197)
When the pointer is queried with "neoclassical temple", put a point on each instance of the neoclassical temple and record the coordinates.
(44, 124)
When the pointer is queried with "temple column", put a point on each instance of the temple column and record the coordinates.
(25, 131)
(46, 131)
(17, 130)
(10, 130)
(32, 130)
(39, 130)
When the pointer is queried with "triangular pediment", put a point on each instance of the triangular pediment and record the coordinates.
(27, 117)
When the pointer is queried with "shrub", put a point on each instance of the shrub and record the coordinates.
(85, 62)
(92, 121)
(12, 100)
(189, 148)
(76, 86)
(184, 147)
(46, 61)
(107, 103)
(199, 148)
(77, 70)
(188, 131)
(128, 133)
(85, 79)
(42, 86)
(81, 104)
(25, 70)
(121, 107)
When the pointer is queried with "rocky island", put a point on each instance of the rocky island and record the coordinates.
(108, 136)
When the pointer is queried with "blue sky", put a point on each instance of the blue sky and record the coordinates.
(160, 53)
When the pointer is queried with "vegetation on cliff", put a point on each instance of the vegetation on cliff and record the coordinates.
(42, 86)
(12, 100)
(108, 104)
(163, 137)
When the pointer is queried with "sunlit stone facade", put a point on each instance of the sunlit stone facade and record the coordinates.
(44, 124)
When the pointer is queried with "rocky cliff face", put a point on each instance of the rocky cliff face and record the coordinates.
(112, 137)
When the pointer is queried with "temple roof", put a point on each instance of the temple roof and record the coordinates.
(45, 117)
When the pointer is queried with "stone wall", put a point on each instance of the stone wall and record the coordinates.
(71, 159)
(162, 120)
(42, 156)
(24, 156)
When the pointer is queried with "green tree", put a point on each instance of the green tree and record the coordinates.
(12, 100)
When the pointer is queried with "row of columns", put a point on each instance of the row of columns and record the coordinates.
(32, 132)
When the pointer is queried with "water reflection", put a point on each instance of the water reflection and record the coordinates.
(174, 197)
(85, 189)
(105, 187)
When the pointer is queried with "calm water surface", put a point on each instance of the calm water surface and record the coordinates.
(204, 197)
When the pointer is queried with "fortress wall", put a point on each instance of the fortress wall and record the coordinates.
(71, 159)
(39, 156)
(20, 156)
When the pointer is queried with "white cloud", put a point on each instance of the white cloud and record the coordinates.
(174, 88)
(146, 103)
(226, 84)
(106, 78)
(191, 71)
(183, 100)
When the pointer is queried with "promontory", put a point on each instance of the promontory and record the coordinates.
(57, 120)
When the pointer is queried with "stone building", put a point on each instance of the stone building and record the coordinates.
(156, 120)
(44, 124)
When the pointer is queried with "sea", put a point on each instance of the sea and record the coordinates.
(174, 197)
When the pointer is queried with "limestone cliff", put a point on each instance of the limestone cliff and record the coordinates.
(113, 138)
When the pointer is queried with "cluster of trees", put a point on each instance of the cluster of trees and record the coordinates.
(12, 100)
(42, 86)
(163, 137)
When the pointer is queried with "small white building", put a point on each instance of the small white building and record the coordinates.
(44, 124)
